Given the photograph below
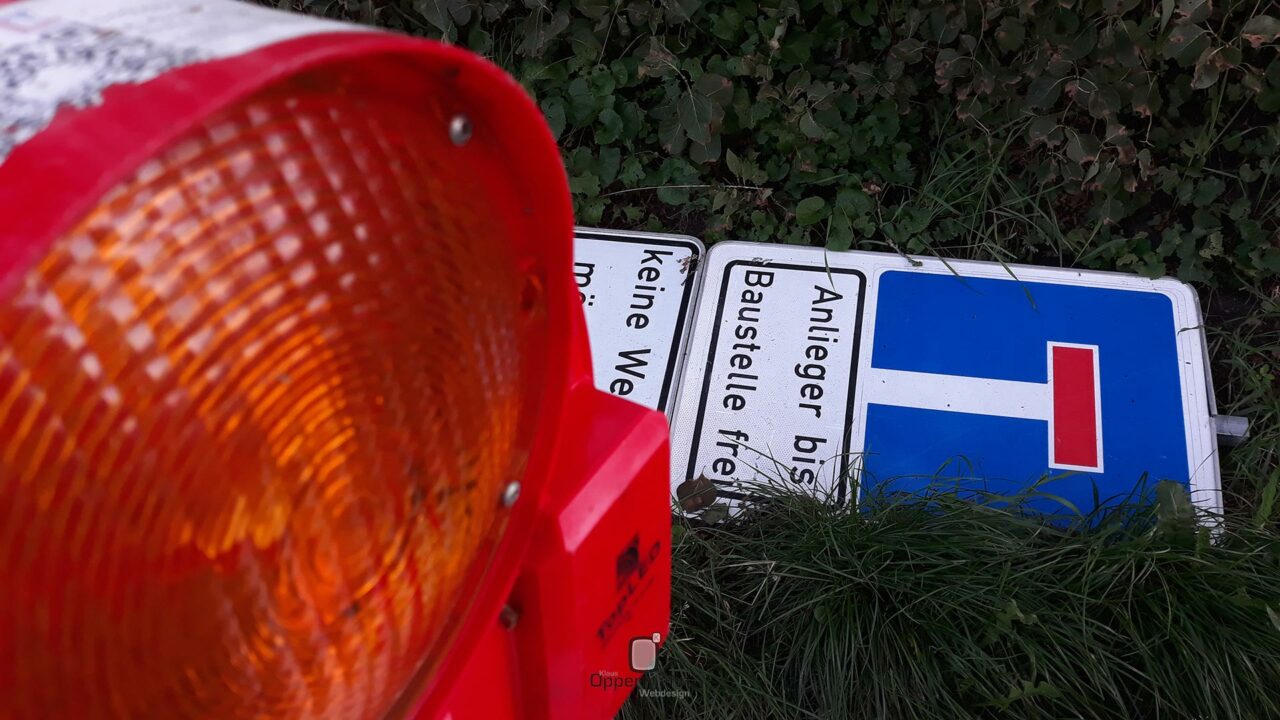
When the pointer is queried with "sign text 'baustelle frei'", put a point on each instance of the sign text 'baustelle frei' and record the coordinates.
(857, 373)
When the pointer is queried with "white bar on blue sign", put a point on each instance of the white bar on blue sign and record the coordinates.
(860, 374)
(638, 291)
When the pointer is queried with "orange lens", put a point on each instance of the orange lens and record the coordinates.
(257, 411)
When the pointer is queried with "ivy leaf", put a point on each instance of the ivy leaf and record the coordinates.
(479, 40)
(622, 71)
(1010, 34)
(592, 212)
(585, 184)
(860, 14)
(582, 103)
(672, 136)
(460, 11)
(717, 88)
(1252, 81)
(602, 84)
(631, 120)
(694, 111)
(915, 220)
(1043, 92)
(1146, 165)
(673, 195)
(810, 210)
(435, 12)
(734, 163)
(726, 23)
(950, 64)
(610, 127)
(658, 61)
(553, 110)
(839, 233)
(1195, 11)
(608, 162)
(1208, 190)
(1145, 99)
(811, 128)
(1104, 103)
(744, 169)
(683, 9)
(632, 171)
(1183, 43)
(1040, 128)
(1083, 44)
(1122, 47)
(1261, 29)
(539, 30)
(893, 68)
(1207, 71)
(594, 9)
(1269, 100)
(1083, 148)
(854, 202)
(907, 51)
(703, 153)
(1166, 13)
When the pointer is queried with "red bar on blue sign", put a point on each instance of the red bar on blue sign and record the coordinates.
(1077, 442)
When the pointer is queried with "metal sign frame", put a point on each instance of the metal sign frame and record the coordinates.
(688, 423)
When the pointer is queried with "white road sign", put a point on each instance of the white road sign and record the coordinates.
(859, 373)
(637, 291)
(768, 382)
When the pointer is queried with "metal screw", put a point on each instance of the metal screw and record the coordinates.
(510, 494)
(460, 129)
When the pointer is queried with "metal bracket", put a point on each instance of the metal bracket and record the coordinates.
(1232, 429)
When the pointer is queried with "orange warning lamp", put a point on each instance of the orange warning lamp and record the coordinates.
(296, 412)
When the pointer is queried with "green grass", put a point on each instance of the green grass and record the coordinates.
(951, 609)
(1246, 368)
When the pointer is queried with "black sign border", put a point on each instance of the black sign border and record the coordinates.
(690, 281)
(853, 370)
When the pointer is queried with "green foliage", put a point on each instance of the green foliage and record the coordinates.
(1108, 133)
(1248, 381)
(959, 610)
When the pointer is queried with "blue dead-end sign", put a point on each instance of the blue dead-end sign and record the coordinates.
(637, 291)
(867, 373)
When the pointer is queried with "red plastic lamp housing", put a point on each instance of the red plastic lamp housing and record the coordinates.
(296, 416)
